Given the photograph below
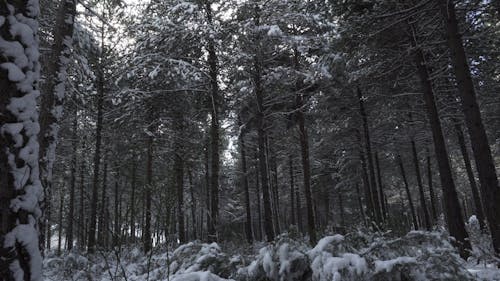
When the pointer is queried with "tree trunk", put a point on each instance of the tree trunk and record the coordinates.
(490, 190)
(380, 187)
(423, 204)
(248, 221)
(360, 204)
(261, 139)
(74, 163)
(257, 188)
(431, 189)
(273, 179)
(149, 185)
(452, 211)
(132, 200)
(179, 183)
(371, 170)
(116, 224)
(101, 229)
(207, 183)
(51, 103)
(60, 221)
(470, 174)
(292, 191)
(81, 209)
(214, 128)
(193, 203)
(341, 209)
(408, 193)
(366, 182)
(97, 155)
(304, 149)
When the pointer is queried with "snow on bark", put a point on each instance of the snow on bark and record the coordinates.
(21, 189)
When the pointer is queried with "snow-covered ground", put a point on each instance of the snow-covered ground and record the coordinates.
(355, 256)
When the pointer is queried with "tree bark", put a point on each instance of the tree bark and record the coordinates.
(193, 203)
(257, 188)
(116, 224)
(366, 182)
(431, 188)
(490, 190)
(292, 191)
(52, 100)
(97, 154)
(74, 163)
(423, 204)
(304, 149)
(380, 188)
(132, 199)
(360, 204)
(149, 185)
(452, 211)
(373, 184)
(470, 174)
(60, 221)
(408, 193)
(179, 183)
(248, 221)
(214, 128)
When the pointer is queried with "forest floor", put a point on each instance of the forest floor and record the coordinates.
(355, 256)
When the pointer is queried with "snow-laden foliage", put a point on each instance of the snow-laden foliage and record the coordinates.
(358, 256)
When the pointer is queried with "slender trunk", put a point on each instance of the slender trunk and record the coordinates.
(149, 185)
(299, 211)
(371, 170)
(117, 227)
(292, 191)
(360, 204)
(423, 204)
(97, 154)
(49, 220)
(74, 163)
(207, 184)
(306, 169)
(81, 209)
(193, 203)
(52, 100)
(248, 221)
(470, 174)
(431, 188)
(132, 200)
(452, 211)
(273, 179)
(60, 221)
(490, 190)
(341, 209)
(214, 128)
(304, 149)
(100, 226)
(366, 182)
(408, 193)
(261, 139)
(257, 188)
(381, 188)
(179, 182)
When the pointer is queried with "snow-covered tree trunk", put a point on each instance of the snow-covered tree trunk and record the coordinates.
(451, 205)
(20, 186)
(490, 189)
(53, 99)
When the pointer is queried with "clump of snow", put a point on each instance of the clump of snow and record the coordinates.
(389, 264)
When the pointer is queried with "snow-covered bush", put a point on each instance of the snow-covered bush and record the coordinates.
(482, 246)
(284, 260)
